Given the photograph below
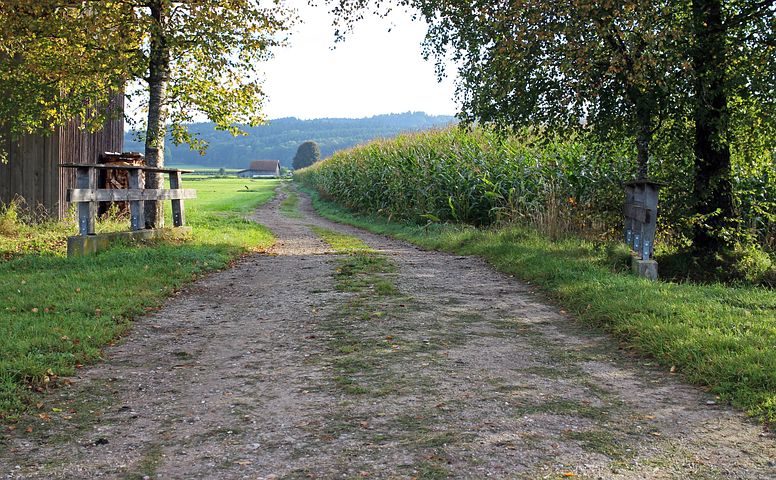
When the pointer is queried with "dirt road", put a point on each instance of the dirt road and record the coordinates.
(401, 364)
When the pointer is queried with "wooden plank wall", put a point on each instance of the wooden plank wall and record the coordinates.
(32, 171)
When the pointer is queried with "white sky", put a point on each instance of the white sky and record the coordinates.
(373, 72)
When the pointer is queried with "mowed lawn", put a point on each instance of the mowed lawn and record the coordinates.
(56, 313)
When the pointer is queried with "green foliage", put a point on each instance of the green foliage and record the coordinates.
(615, 65)
(636, 71)
(61, 61)
(714, 335)
(342, 243)
(307, 154)
(51, 323)
(753, 265)
(209, 56)
(478, 177)
(9, 218)
(559, 185)
(64, 60)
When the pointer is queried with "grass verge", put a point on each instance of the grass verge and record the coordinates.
(290, 206)
(56, 313)
(372, 332)
(340, 242)
(721, 337)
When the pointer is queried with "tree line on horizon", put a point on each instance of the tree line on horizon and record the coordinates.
(280, 138)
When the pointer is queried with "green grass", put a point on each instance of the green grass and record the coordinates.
(598, 441)
(290, 205)
(362, 266)
(23, 232)
(342, 243)
(202, 168)
(146, 467)
(361, 270)
(366, 273)
(718, 336)
(58, 312)
(431, 469)
(233, 195)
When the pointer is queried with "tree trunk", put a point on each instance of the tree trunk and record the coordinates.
(644, 109)
(158, 78)
(713, 191)
(643, 138)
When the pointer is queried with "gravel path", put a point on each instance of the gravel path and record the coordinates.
(269, 370)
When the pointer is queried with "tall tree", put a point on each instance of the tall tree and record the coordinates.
(623, 68)
(184, 59)
(575, 64)
(308, 153)
(713, 189)
(201, 59)
(60, 61)
(734, 59)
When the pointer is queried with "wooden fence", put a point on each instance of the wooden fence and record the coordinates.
(87, 196)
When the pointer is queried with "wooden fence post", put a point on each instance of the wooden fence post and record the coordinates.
(87, 211)
(178, 211)
(136, 207)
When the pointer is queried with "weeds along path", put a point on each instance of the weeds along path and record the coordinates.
(343, 354)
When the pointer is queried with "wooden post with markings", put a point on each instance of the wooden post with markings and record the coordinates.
(641, 199)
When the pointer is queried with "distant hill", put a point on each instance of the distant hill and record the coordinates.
(280, 138)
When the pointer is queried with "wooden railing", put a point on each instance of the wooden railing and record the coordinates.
(87, 195)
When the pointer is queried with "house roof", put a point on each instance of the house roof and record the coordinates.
(270, 165)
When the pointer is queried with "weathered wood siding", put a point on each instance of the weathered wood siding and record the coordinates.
(32, 171)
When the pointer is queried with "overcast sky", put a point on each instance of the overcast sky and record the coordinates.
(373, 72)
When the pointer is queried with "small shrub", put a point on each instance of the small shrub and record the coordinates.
(769, 278)
(9, 218)
(752, 264)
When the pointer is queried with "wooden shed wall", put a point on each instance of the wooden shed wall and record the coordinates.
(32, 171)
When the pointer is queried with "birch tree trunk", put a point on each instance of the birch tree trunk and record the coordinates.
(158, 79)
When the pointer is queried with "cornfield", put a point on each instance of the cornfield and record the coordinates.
(480, 177)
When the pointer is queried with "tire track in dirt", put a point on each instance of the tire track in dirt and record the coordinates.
(237, 377)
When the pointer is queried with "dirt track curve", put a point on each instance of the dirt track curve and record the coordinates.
(462, 373)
